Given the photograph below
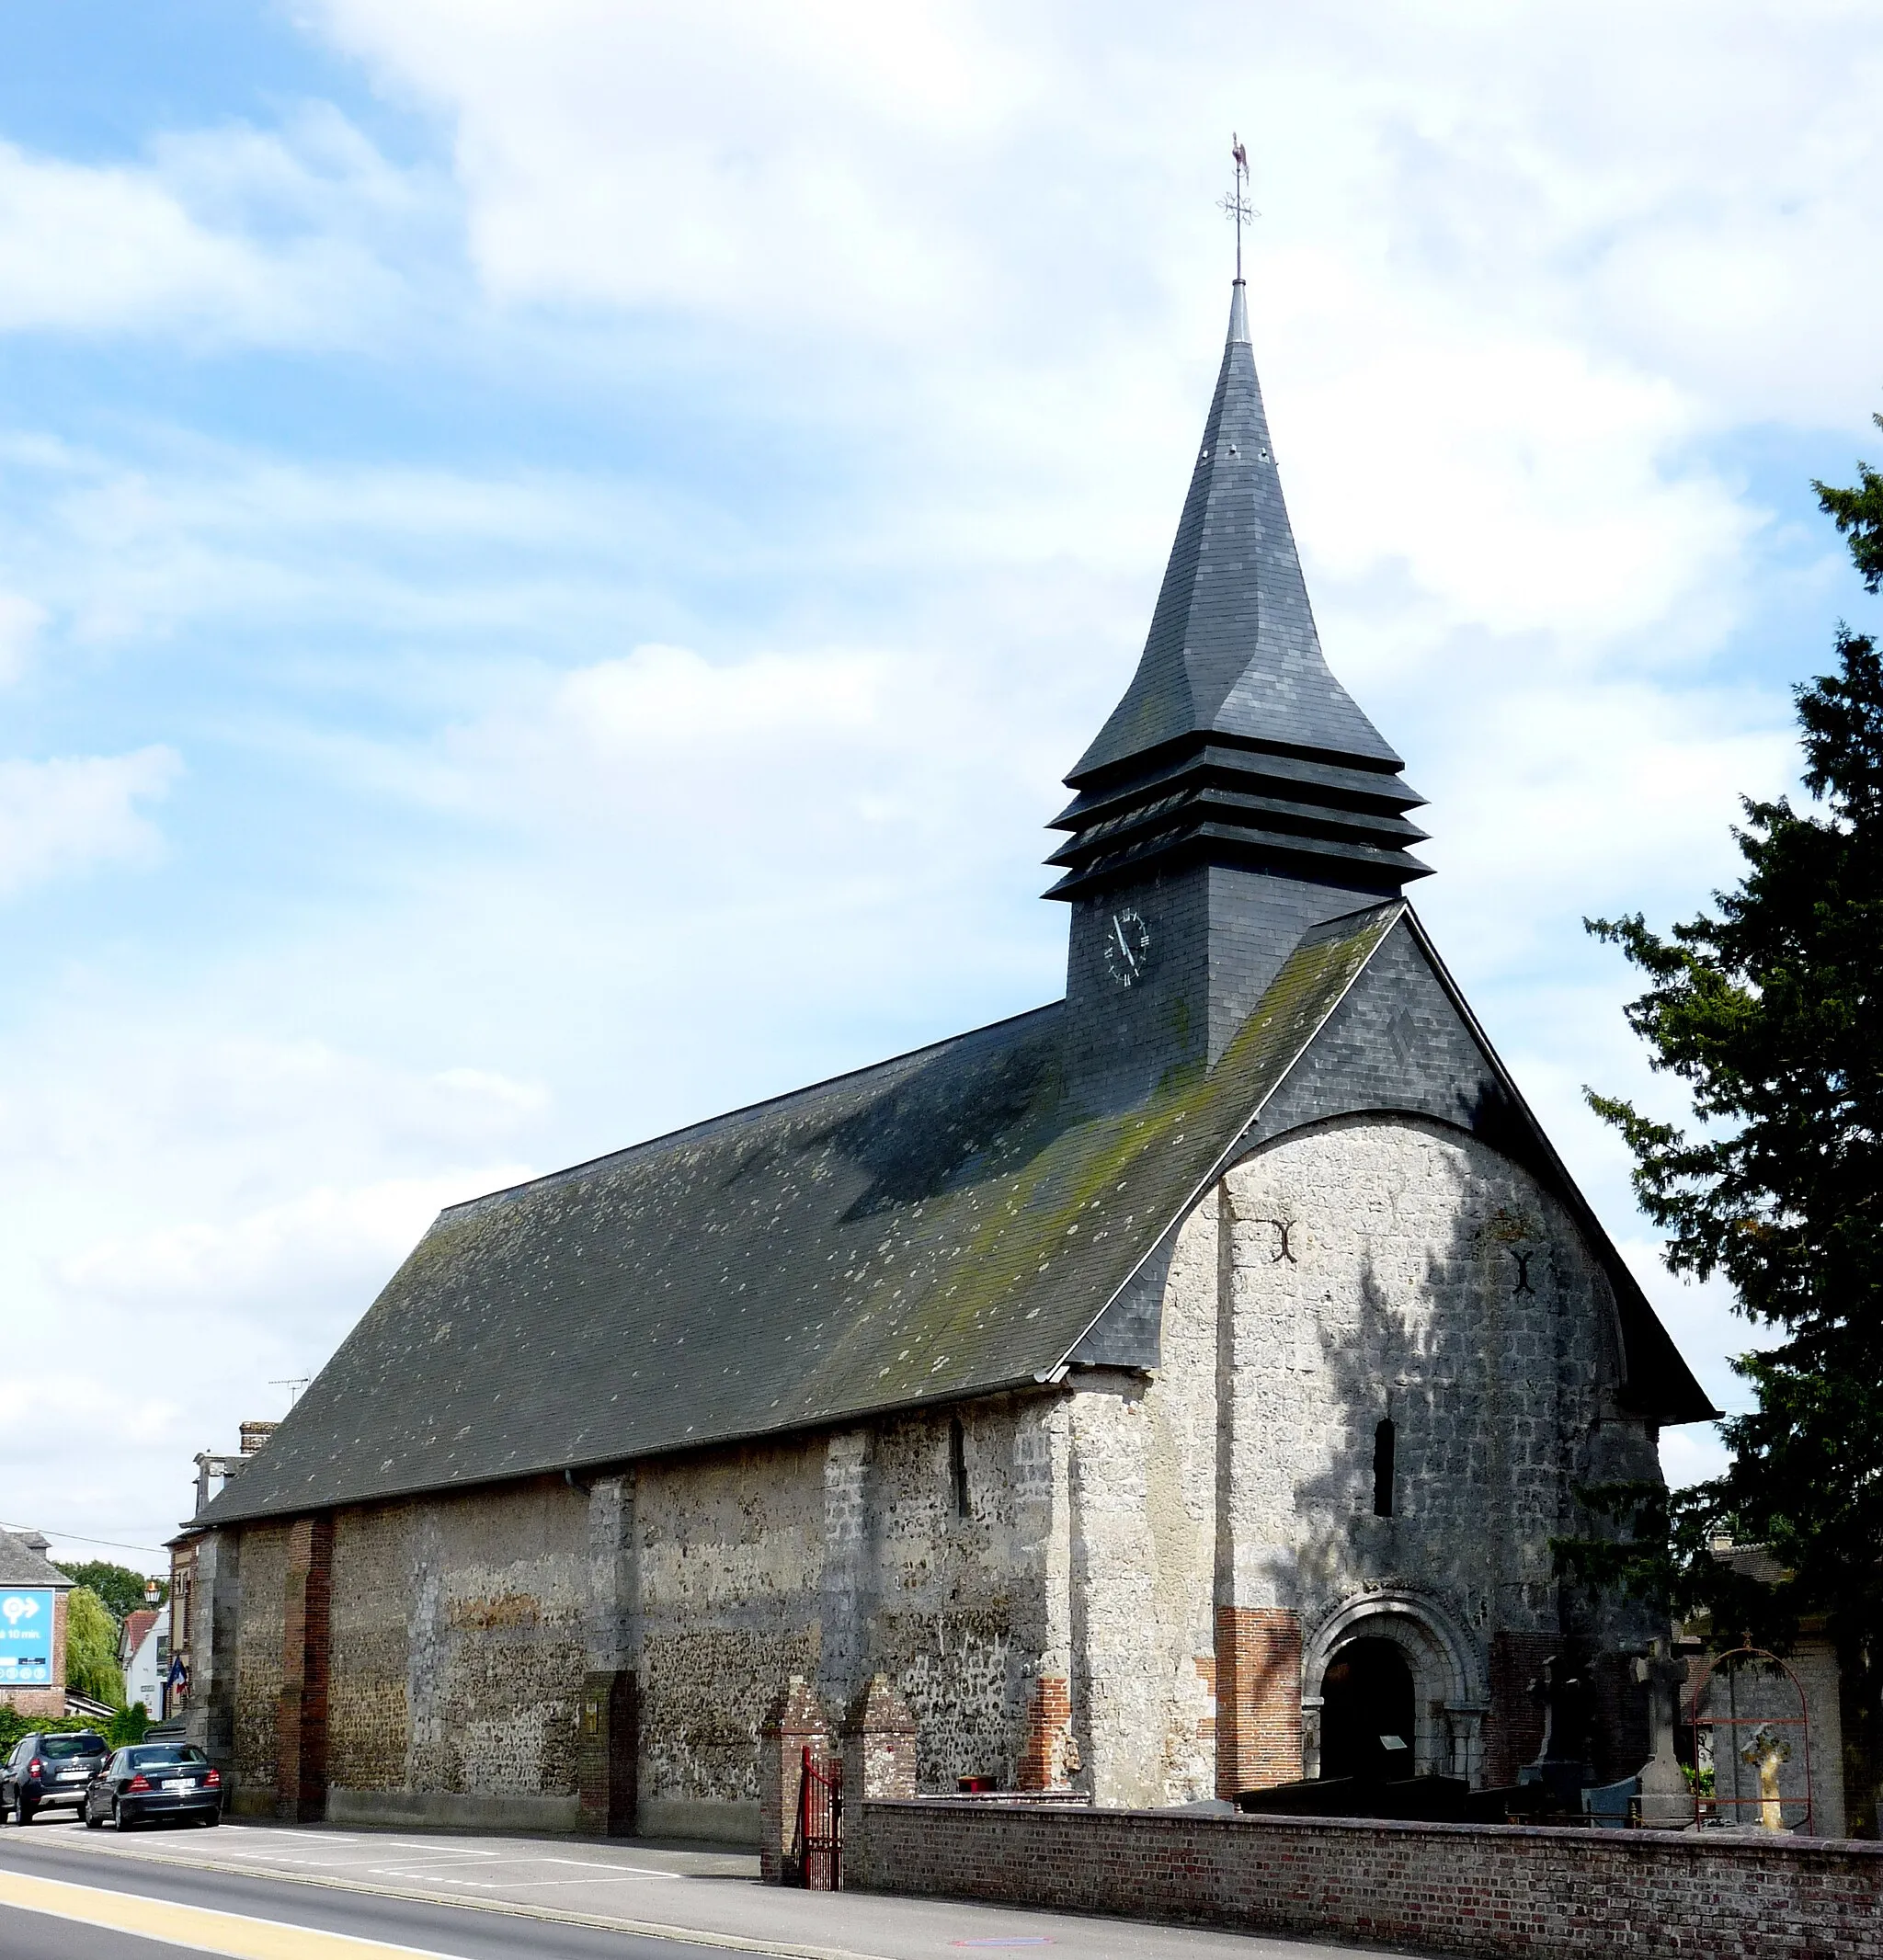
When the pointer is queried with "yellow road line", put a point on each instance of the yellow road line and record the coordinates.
(196, 1927)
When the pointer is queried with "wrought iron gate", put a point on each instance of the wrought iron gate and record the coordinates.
(818, 1845)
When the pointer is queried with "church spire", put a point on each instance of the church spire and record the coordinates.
(1234, 744)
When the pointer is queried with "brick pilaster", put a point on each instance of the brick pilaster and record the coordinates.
(794, 1722)
(879, 1745)
(1048, 1721)
(300, 1746)
(1514, 1723)
(607, 1749)
(1258, 1680)
(878, 1759)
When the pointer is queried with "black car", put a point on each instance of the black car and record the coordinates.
(154, 1780)
(49, 1772)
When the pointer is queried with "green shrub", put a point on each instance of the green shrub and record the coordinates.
(128, 1726)
(13, 1726)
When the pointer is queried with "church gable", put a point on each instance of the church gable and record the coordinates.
(1403, 1041)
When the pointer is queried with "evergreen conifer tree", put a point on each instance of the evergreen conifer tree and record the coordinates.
(1768, 1011)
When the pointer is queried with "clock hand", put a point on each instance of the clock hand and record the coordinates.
(1118, 933)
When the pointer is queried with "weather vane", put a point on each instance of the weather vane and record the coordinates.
(1235, 205)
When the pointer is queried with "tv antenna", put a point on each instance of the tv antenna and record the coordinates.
(293, 1384)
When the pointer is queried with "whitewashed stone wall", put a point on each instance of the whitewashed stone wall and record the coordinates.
(1362, 1269)
(1144, 1469)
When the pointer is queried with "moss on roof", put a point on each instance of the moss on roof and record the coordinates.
(943, 1225)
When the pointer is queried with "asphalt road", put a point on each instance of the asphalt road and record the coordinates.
(293, 1917)
(315, 1892)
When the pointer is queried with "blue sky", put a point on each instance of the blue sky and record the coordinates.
(552, 559)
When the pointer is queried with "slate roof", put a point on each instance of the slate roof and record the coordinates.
(21, 1564)
(940, 1226)
(1234, 741)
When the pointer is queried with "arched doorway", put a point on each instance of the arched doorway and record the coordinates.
(1366, 1698)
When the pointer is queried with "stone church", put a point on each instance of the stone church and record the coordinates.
(1172, 1390)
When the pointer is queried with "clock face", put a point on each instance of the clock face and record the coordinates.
(1127, 947)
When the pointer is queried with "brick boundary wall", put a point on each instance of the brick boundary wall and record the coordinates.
(1481, 1890)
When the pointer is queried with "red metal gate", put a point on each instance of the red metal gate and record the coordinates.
(817, 1845)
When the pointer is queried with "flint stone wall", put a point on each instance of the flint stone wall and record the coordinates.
(1128, 1546)
(1481, 1891)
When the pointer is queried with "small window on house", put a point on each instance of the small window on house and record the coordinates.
(1384, 1438)
(957, 1467)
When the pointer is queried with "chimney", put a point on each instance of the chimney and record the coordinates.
(254, 1434)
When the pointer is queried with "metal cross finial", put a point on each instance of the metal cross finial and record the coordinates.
(1235, 205)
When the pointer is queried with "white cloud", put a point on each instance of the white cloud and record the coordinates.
(231, 235)
(676, 782)
(68, 815)
(324, 1246)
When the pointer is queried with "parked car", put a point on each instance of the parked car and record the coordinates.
(49, 1772)
(154, 1780)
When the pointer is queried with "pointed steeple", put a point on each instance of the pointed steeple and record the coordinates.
(1234, 743)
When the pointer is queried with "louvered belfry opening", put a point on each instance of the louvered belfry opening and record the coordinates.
(1234, 744)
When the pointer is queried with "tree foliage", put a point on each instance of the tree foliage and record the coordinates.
(1767, 1011)
(91, 1648)
(118, 1586)
(14, 1724)
(1858, 513)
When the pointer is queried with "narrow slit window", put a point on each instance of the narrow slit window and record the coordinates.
(1385, 1439)
(957, 1467)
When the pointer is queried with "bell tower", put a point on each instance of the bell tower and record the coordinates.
(1236, 798)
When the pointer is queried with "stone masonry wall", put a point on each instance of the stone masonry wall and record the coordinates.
(1144, 1503)
(969, 1616)
(368, 1707)
(1482, 1891)
(1129, 1584)
(1397, 1268)
(465, 1630)
(1224, 1537)
(259, 1668)
(730, 1547)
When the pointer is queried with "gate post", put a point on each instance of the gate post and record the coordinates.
(794, 1722)
(879, 1764)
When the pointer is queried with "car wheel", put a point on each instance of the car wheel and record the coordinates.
(22, 1812)
(212, 1816)
(119, 1820)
